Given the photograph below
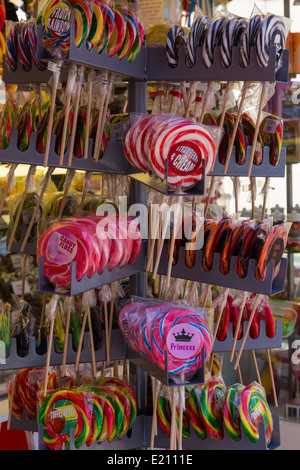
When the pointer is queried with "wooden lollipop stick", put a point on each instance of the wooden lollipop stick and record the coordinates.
(90, 84)
(88, 176)
(38, 204)
(111, 313)
(76, 367)
(75, 119)
(225, 294)
(94, 365)
(56, 75)
(265, 191)
(67, 330)
(173, 421)
(155, 389)
(239, 372)
(261, 103)
(160, 243)
(272, 378)
(211, 188)
(29, 177)
(8, 184)
(102, 115)
(236, 125)
(172, 245)
(69, 177)
(205, 101)
(106, 332)
(243, 303)
(70, 85)
(53, 301)
(154, 233)
(256, 366)
(245, 334)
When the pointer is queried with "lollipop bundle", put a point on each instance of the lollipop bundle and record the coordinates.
(25, 389)
(214, 408)
(93, 242)
(100, 24)
(154, 140)
(270, 135)
(154, 328)
(21, 42)
(100, 412)
(231, 312)
(261, 31)
(244, 239)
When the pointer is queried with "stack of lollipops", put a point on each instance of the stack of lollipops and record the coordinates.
(153, 141)
(155, 328)
(94, 242)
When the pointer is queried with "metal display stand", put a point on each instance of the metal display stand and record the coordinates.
(151, 64)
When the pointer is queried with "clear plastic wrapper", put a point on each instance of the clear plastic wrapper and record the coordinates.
(5, 327)
(153, 327)
(271, 133)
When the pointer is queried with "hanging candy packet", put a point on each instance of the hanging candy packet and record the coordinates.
(271, 133)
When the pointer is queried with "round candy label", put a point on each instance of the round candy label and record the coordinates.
(184, 158)
(183, 341)
(58, 19)
(62, 247)
(63, 416)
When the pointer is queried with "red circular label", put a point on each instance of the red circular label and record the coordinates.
(184, 158)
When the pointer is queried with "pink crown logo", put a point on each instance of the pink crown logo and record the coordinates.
(183, 336)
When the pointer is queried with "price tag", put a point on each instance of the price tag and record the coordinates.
(16, 260)
(17, 287)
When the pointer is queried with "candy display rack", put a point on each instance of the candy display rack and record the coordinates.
(269, 286)
(33, 76)
(152, 65)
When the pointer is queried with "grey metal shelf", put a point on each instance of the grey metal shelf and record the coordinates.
(270, 286)
(112, 161)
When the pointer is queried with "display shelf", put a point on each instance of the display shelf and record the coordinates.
(112, 161)
(140, 437)
(92, 59)
(261, 342)
(270, 286)
(195, 443)
(36, 356)
(134, 439)
(33, 76)
(164, 375)
(30, 247)
(97, 280)
(158, 68)
(265, 169)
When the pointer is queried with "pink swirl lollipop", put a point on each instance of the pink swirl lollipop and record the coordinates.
(62, 244)
(116, 250)
(183, 334)
(97, 246)
(136, 151)
(23, 47)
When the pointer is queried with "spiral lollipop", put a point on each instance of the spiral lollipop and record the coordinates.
(272, 32)
(32, 40)
(23, 47)
(119, 32)
(12, 46)
(211, 401)
(232, 420)
(197, 35)
(97, 24)
(7, 122)
(213, 39)
(232, 37)
(176, 39)
(109, 15)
